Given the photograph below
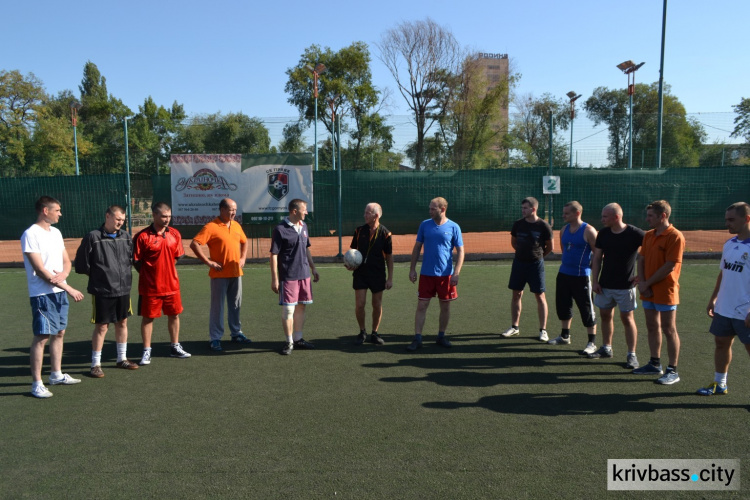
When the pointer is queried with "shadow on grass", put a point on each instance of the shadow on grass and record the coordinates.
(556, 405)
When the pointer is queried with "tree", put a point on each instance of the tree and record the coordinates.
(681, 137)
(234, 133)
(101, 115)
(429, 52)
(347, 83)
(292, 141)
(529, 131)
(152, 134)
(742, 120)
(20, 100)
(472, 123)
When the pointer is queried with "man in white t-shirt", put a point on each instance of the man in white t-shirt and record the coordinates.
(729, 305)
(47, 266)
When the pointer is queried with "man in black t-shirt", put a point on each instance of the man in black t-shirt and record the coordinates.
(373, 240)
(531, 237)
(612, 276)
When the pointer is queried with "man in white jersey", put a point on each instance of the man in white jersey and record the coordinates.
(47, 266)
(729, 305)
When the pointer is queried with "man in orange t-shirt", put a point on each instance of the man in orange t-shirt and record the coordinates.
(659, 265)
(227, 248)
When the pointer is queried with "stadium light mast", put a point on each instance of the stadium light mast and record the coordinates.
(316, 71)
(573, 98)
(332, 103)
(629, 68)
(74, 107)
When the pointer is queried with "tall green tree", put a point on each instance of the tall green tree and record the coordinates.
(345, 88)
(21, 98)
(471, 120)
(234, 133)
(682, 137)
(742, 120)
(152, 134)
(292, 141)
(529, 135)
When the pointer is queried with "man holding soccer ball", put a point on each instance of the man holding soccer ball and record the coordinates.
(438, 277)
(373, 241)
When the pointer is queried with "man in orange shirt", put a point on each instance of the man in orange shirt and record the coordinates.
(227, 248)
(659, 265)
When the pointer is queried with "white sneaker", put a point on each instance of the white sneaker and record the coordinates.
(146, 359)
(543, 337)
(65, 380)
(179, 352)
(590, 348)
(559, 341)
(510, 332)
(40, 392)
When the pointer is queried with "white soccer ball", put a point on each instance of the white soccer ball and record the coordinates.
(353, 258)
(278, 185)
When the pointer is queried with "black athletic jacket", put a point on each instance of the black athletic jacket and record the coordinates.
(107, 262)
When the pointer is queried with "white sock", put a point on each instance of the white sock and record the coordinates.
(96, 358)
(37, 383)
(631, 353)
(56, 375)
(147, 350)
(122, 351)
(720, 378)
(288, 339)
(297, 336)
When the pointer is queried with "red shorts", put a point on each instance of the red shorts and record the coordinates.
(151, 306)
(295, 292)
(440, 286)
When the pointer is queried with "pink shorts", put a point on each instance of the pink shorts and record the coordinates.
(151, 306)
(440, 286)
(295, 292)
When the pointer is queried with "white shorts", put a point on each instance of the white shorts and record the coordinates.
(626, 300)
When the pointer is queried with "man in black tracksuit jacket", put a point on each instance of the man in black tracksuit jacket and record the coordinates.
(105, 255)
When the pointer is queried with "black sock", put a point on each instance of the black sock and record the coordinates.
(565, 333)
(655, 361)
(592, 338)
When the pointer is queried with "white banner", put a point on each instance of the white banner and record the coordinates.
(261, 185)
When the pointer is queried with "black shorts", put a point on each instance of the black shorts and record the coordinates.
(569, 288)
(365, 278)
(110, 309)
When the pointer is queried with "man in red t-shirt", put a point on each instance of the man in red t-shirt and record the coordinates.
(155, 253)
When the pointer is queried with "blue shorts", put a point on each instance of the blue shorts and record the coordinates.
(49, 313)
(721, 326)
(647, 304)
(527, 272)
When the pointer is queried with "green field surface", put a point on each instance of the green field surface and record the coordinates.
(490, 418)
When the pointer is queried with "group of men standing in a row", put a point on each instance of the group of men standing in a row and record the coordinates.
(611, 256)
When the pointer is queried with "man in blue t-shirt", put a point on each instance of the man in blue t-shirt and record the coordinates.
(438, 277)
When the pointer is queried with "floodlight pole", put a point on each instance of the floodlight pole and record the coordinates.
(661, 86)
(573, 98)
(127, 177)
(332, 103)
(74, 107)
(629, 68)
(316, 71)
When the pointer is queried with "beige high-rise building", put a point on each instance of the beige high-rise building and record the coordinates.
(496, 70)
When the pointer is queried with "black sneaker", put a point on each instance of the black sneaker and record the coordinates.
(376, 339)
(414, 346)
(360, 338)
(443, 342)
(303, 344)
(287, 349)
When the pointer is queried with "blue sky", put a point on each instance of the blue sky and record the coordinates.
(232, 56)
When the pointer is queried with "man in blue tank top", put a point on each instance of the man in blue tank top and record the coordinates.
(577, 238)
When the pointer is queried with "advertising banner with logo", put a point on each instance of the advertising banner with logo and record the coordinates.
(261, 185)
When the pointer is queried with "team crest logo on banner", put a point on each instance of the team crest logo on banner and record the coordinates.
(278, 185)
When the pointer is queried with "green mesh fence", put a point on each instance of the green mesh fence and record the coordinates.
(489, 200)
(83, 199)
